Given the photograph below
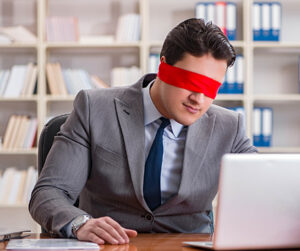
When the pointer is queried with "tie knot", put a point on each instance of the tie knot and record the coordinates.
(164, 122)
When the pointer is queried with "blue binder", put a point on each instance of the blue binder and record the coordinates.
(275, 21)
(257, 21)
(231, 20)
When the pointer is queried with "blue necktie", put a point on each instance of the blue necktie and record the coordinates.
(152, 193)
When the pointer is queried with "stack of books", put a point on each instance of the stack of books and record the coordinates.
(262, 126)
(122, 76)
(20, 133)
(62, 29)
(16, 185)
(20, 81)
(128, 28)
(70, 81)
(223, 14)
(16, 34)
(234, 78)
(266, 21)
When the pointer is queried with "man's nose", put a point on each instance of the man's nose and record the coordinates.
(197, 97)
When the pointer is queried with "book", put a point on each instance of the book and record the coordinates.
(7, 180)
(19, 34)
(128, 28)
(16, 81)
(9, 131)
(62, 29)
(30, 244)
(98, 82)
(30, 180)
(12, 140)
(3, 81)
(31, 134)
(20, 130)
(51, 80)
(31, 84)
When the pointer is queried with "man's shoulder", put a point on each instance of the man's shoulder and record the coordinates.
(221, 112)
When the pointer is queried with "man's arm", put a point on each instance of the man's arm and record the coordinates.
(65, 171)
(64, 175)
(242, 143)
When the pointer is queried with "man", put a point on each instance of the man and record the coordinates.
(134, 169)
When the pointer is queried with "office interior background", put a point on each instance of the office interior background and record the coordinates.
(50, 49)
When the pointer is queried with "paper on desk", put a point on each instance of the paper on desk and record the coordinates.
(50, 244)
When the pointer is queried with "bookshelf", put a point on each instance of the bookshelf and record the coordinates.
(271, 68)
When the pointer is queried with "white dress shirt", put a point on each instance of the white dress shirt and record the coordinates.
(173, 141)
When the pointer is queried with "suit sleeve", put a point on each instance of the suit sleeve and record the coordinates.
(65, 171)
(242, 143)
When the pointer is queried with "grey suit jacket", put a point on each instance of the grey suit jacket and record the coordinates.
(99, 155)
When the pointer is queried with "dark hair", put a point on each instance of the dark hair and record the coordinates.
(198, 38)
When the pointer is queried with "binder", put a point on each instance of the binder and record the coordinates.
(200, 10)
(221, 15)
(299, 73)
(267, 122)
(256, 19)
(223, 87)
(257, 122)
(231, 20)
(210, 13)
(231, 79)
(266, 22)
(239, 62)
(153, 62)
(275, 20)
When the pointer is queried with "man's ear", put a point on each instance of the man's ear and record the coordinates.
(163, 59)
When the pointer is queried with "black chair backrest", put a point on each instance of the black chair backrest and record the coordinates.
(47, 136)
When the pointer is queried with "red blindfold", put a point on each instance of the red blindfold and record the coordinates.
(188, 80)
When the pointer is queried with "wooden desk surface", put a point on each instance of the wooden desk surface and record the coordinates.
(147, 242)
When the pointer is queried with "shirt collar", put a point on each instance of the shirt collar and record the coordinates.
(151, 113)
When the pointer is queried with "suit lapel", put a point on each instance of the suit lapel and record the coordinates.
(130, 112)
(197, 141)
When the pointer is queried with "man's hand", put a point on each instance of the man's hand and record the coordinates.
(104, 229)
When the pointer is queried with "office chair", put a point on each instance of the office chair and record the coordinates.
(46, 138)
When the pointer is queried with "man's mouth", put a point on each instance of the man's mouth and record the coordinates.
(191, 109)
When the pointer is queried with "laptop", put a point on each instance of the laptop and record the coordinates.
(259, 203)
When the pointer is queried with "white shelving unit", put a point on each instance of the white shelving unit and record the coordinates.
(271, 68)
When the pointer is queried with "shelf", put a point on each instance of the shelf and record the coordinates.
(52, 98)
(277, 97)
(18, 45)
(231, 97)
(18, 99)
(13, 206)
(279, 149)
(92, 45)
(280, 44)
(157, 43)
(31, 151)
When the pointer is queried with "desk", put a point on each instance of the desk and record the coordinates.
(146, 242)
